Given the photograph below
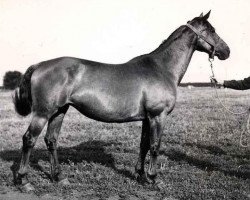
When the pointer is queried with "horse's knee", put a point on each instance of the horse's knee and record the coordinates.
(28, 141)
(50, 143)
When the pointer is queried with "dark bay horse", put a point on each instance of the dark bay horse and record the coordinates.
(143, 89)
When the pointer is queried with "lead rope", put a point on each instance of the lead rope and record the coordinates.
(247, 128)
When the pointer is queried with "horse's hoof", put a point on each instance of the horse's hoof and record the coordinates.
(143, 179)
(159, 184)
(137, 176)
(152, 177)
(64, 181)
(26, 188)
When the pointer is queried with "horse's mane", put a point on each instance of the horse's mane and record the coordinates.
(174, 36)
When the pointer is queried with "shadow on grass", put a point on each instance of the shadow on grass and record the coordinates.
(211, 148)
(218, 151)
(95, 151)
(90, 151)
(210, 164)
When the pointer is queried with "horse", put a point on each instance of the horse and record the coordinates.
(142, 89)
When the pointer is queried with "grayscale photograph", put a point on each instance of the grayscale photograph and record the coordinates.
(124, 100)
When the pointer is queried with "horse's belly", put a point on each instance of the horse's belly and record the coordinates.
(108, 108)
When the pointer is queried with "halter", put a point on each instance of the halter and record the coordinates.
(199, 34)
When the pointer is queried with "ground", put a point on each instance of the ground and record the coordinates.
(200, 158)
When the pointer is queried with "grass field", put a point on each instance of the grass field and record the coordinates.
(200, 158)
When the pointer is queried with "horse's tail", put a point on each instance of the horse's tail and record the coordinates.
(22, 95)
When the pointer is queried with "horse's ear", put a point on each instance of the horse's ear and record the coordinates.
(207, 15)
(201, 15)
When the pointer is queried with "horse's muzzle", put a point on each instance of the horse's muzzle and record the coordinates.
(223, 55)
(222, 51)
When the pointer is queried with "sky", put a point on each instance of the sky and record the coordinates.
(115, 31)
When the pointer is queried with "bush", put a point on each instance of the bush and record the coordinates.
(11, 79)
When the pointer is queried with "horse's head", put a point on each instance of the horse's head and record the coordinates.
(208, 40)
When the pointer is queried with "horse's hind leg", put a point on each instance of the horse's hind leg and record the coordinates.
(29, 140)
(54, 126)
(144, 148)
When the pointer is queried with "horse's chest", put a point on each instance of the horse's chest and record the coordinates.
(159, 98)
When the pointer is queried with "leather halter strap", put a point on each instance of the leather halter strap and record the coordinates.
(199, 34)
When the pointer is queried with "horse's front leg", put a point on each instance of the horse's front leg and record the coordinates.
(156, 130)
(152, 128)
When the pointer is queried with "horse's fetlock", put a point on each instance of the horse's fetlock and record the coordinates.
(58, 169)
(154, 150)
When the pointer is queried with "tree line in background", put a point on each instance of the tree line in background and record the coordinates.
(11, 79)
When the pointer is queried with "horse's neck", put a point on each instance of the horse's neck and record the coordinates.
(174, 55)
